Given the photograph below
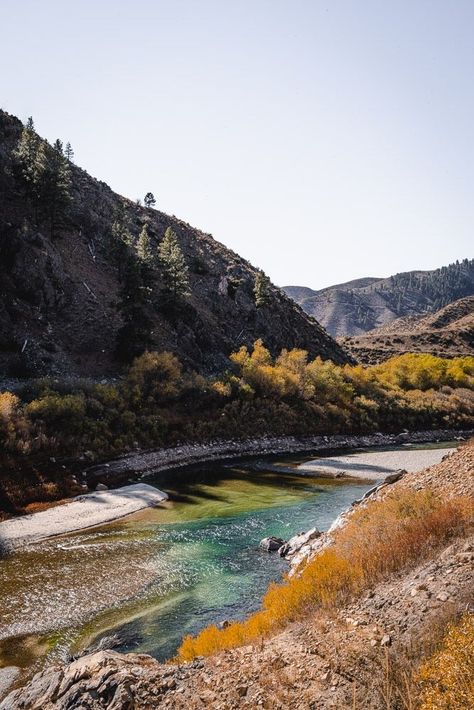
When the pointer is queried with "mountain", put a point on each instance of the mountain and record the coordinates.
(361, 305)
(62, 287)
(447, 333)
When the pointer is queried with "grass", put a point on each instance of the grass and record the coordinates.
(447, 678)
(379, 539)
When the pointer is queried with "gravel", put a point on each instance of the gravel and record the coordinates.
(374, 465)
(85, 511)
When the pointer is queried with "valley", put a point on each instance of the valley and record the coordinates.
(168, 415)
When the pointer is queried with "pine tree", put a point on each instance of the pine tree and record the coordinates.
(52, 181)
(121, 241)
(135, 335)
(25, 154)
(175, 270)
(149, 200)
(69, 153)
(144, 249)
(261, 289)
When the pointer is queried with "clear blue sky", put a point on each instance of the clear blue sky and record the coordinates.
(323, 141)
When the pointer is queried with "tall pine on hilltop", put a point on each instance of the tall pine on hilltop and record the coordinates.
(175, 270)
(144, 249)
(25, 155)
(52, 181)
(45, 173)
(261, 289)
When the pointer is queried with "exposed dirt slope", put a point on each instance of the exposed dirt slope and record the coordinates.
(333, 661)
(58, 295)
(357, 306)
(447, 333)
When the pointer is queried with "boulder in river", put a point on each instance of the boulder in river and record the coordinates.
(295, 543)
(271, 544)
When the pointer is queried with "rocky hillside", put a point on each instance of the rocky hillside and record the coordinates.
(361, 305)
(358, 656)
(447, 333)
(61, 284)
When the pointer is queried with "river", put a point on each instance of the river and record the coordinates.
(162, 573)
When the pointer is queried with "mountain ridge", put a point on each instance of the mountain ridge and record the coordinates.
(360, 305)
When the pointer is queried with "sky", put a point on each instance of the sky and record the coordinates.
(321, 140)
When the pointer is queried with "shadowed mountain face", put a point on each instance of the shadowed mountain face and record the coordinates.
(60, 288)
(447, 333)
(361, 305)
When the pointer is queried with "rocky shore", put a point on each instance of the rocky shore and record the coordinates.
(145, 463)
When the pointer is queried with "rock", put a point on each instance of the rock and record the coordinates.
(8, 676)
(271, 544)
(394, 477)
(442, 597)
(102, 680)
(101, 487)
(373, 642)
(386, 640)
(241, 690)
(297, 542)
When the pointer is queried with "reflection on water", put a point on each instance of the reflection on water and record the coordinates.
(165, 572)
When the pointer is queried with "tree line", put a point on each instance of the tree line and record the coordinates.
(45, 173)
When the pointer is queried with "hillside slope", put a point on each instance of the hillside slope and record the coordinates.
(357, 306)
(59, 290)
(447, 333)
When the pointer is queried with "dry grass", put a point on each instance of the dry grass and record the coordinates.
(447, 678)
(379, 539)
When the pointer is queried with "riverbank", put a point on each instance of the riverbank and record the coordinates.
(145, 463)
(31, 483)
(372, 465)
(85, 511)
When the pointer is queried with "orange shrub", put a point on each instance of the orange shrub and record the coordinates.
(447, 678)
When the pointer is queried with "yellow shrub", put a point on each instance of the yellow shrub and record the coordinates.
(423, 371)
(155, 376)
(222, 388)
(447, 678)
(9, 403)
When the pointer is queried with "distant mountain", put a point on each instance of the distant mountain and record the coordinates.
(361, 305)
(64, 288)
(447, 333)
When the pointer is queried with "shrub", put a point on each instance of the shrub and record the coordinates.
(155, 377)
(447, 678)
(56, 412)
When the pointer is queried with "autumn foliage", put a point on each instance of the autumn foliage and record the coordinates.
(158, 403)
(447, 678)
